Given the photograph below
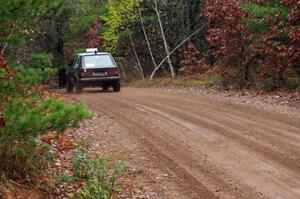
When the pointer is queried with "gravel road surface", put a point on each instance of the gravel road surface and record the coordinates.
(202, 147)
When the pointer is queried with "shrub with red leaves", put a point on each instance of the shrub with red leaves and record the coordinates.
(264, 52)
(191, 65)
(277, 51)
(227, 37)
(295, 12)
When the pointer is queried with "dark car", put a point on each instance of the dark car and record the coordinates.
(93, 69)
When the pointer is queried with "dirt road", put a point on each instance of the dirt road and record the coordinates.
(205, 148)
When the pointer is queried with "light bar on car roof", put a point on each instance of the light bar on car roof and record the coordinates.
(92, 50)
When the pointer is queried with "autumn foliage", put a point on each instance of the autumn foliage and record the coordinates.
(191, 64)
(252, 44)
(90, 39)
(94, 38)
(227, 37)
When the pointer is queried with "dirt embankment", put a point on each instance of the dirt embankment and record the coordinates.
(190, 145)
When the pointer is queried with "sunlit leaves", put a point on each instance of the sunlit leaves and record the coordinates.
(119, 17)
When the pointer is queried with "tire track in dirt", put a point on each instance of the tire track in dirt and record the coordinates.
(284, 154)
(270, 139)
(259, 164)
(178, 154)
(188, 184)
(221, 151)
(287, 154)
(209, 103)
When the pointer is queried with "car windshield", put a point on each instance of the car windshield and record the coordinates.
(96, 61)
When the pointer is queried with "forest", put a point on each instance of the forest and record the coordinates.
(244, 44)
(237, 44)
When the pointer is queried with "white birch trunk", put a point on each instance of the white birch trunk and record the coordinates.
(147, 40)
(178, 46)
(165, 41)
(137, 58)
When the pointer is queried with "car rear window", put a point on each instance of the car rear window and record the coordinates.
(96, 61)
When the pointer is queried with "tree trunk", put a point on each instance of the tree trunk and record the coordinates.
(147, 40)
(165, 41)
(178, 46)
(137, 57)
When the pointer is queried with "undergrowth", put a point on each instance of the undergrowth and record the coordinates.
(199, 82)
(97, 173)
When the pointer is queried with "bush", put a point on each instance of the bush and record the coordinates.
(239, 81)
(21, 154)
(41, 60)
(272, 83)
(100, 178)
(29, 113)
(293, 83)
(273, 8)
(94, 189)
(25, 160)
(263, 35)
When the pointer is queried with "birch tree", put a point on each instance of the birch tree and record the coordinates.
(176, 48)
(164, 39)
(147, 40)
(137, 57)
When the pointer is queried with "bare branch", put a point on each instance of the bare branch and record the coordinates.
(178, 46)
(147, 40)
(137, 57)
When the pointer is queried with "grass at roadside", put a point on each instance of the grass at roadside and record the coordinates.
(77, 174)
(188, 82)
(96, 175)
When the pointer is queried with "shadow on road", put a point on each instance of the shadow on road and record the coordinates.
(86, 91)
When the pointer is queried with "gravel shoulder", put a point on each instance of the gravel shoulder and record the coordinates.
(183, 143)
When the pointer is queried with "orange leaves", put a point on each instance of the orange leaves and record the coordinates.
(227, 35)
(191, 65)
(48, 138)
(62, 142)
(65, 143)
